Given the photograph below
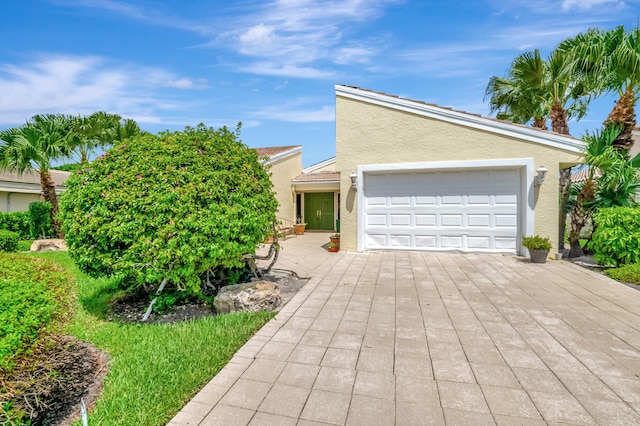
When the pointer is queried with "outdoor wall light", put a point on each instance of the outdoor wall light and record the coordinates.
(354, 180)
(542, 172)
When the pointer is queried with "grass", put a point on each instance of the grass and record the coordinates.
(154, 369)
(24, 245)
(627, 273)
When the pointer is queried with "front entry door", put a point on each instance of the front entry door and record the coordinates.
(318, 210)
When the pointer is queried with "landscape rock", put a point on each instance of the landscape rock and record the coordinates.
(53, 244)
(248, 297)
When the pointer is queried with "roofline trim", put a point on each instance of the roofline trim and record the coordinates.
(319, 165)
(464, 119)
(284, 154)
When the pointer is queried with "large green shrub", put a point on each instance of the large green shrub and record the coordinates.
(8, 240)
(40, 216)
(616, 239)
(18, 222)
(169, 206)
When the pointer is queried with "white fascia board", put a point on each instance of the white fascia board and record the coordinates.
(464, 119)
(284, 154)
(320, 165)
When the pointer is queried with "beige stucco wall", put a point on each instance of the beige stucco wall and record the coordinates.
(282, 172)
(370, 134)
(17, 202)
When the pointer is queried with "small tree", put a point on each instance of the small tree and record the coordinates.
(168, 208)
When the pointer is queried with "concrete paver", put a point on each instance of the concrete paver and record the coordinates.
(433, 338)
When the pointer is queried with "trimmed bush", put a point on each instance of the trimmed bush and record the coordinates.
(172, 206)
(8, 241)
(19, 222)
(616, 238)
(40, 215)
(626, 273)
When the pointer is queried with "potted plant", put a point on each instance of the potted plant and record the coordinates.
(333, 247)
(538, 248)
(299, 227)
(335, 238)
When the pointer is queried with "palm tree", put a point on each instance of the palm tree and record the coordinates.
(93, 131)
(33, 147)
(612, 59)
(125, 129)
(514, 99)
(537, 89)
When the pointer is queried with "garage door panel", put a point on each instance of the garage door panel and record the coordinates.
(376, 219)
(482, 220)
(425, 220)
(400, 220)
(464, 210)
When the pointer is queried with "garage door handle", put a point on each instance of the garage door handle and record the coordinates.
(318, 214)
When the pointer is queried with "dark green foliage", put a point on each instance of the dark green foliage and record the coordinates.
(169, 206)
(32, 292)
(16, 222)
(616, 239)
(40, 217)
(626, 273)
(8, 241)
(73, 167)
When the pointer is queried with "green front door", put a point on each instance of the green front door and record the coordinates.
(318, 210)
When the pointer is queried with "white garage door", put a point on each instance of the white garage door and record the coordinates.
(468, 211)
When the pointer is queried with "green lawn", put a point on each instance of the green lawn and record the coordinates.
(154, 369)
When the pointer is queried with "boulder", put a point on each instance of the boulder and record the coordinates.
(248, 297)
(53, 244)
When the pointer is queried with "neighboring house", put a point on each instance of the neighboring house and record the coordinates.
(18, 191)
(304, 195)
(431, 178)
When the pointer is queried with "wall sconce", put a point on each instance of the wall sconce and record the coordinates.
(354, 180)
(539, 178)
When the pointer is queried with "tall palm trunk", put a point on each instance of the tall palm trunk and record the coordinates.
(559, 119)
(49, 194)
(623, 115)
(540, 123)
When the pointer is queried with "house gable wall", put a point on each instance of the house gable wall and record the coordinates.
(369, 134)
(282, 172)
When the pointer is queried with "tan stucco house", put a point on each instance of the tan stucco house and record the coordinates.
(305, 195)
(416, 176)
(17, 191)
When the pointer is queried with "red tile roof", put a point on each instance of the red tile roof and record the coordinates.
(318, 177)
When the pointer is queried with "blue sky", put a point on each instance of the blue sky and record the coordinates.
(273, 64)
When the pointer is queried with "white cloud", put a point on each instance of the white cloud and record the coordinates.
(588, 4)
(297, 111)
(84, 84)
(275, 69)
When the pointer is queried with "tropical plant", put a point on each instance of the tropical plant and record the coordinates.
(616, 239)
(164, 210)
(536, 242)
(616, 186)
(92, 131)
(32, 148)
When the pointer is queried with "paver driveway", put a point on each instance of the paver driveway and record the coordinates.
(434, 338)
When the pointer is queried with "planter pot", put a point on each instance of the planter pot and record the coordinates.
(538, 256)
(299, 228)
(333, 249)
(335, 240)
